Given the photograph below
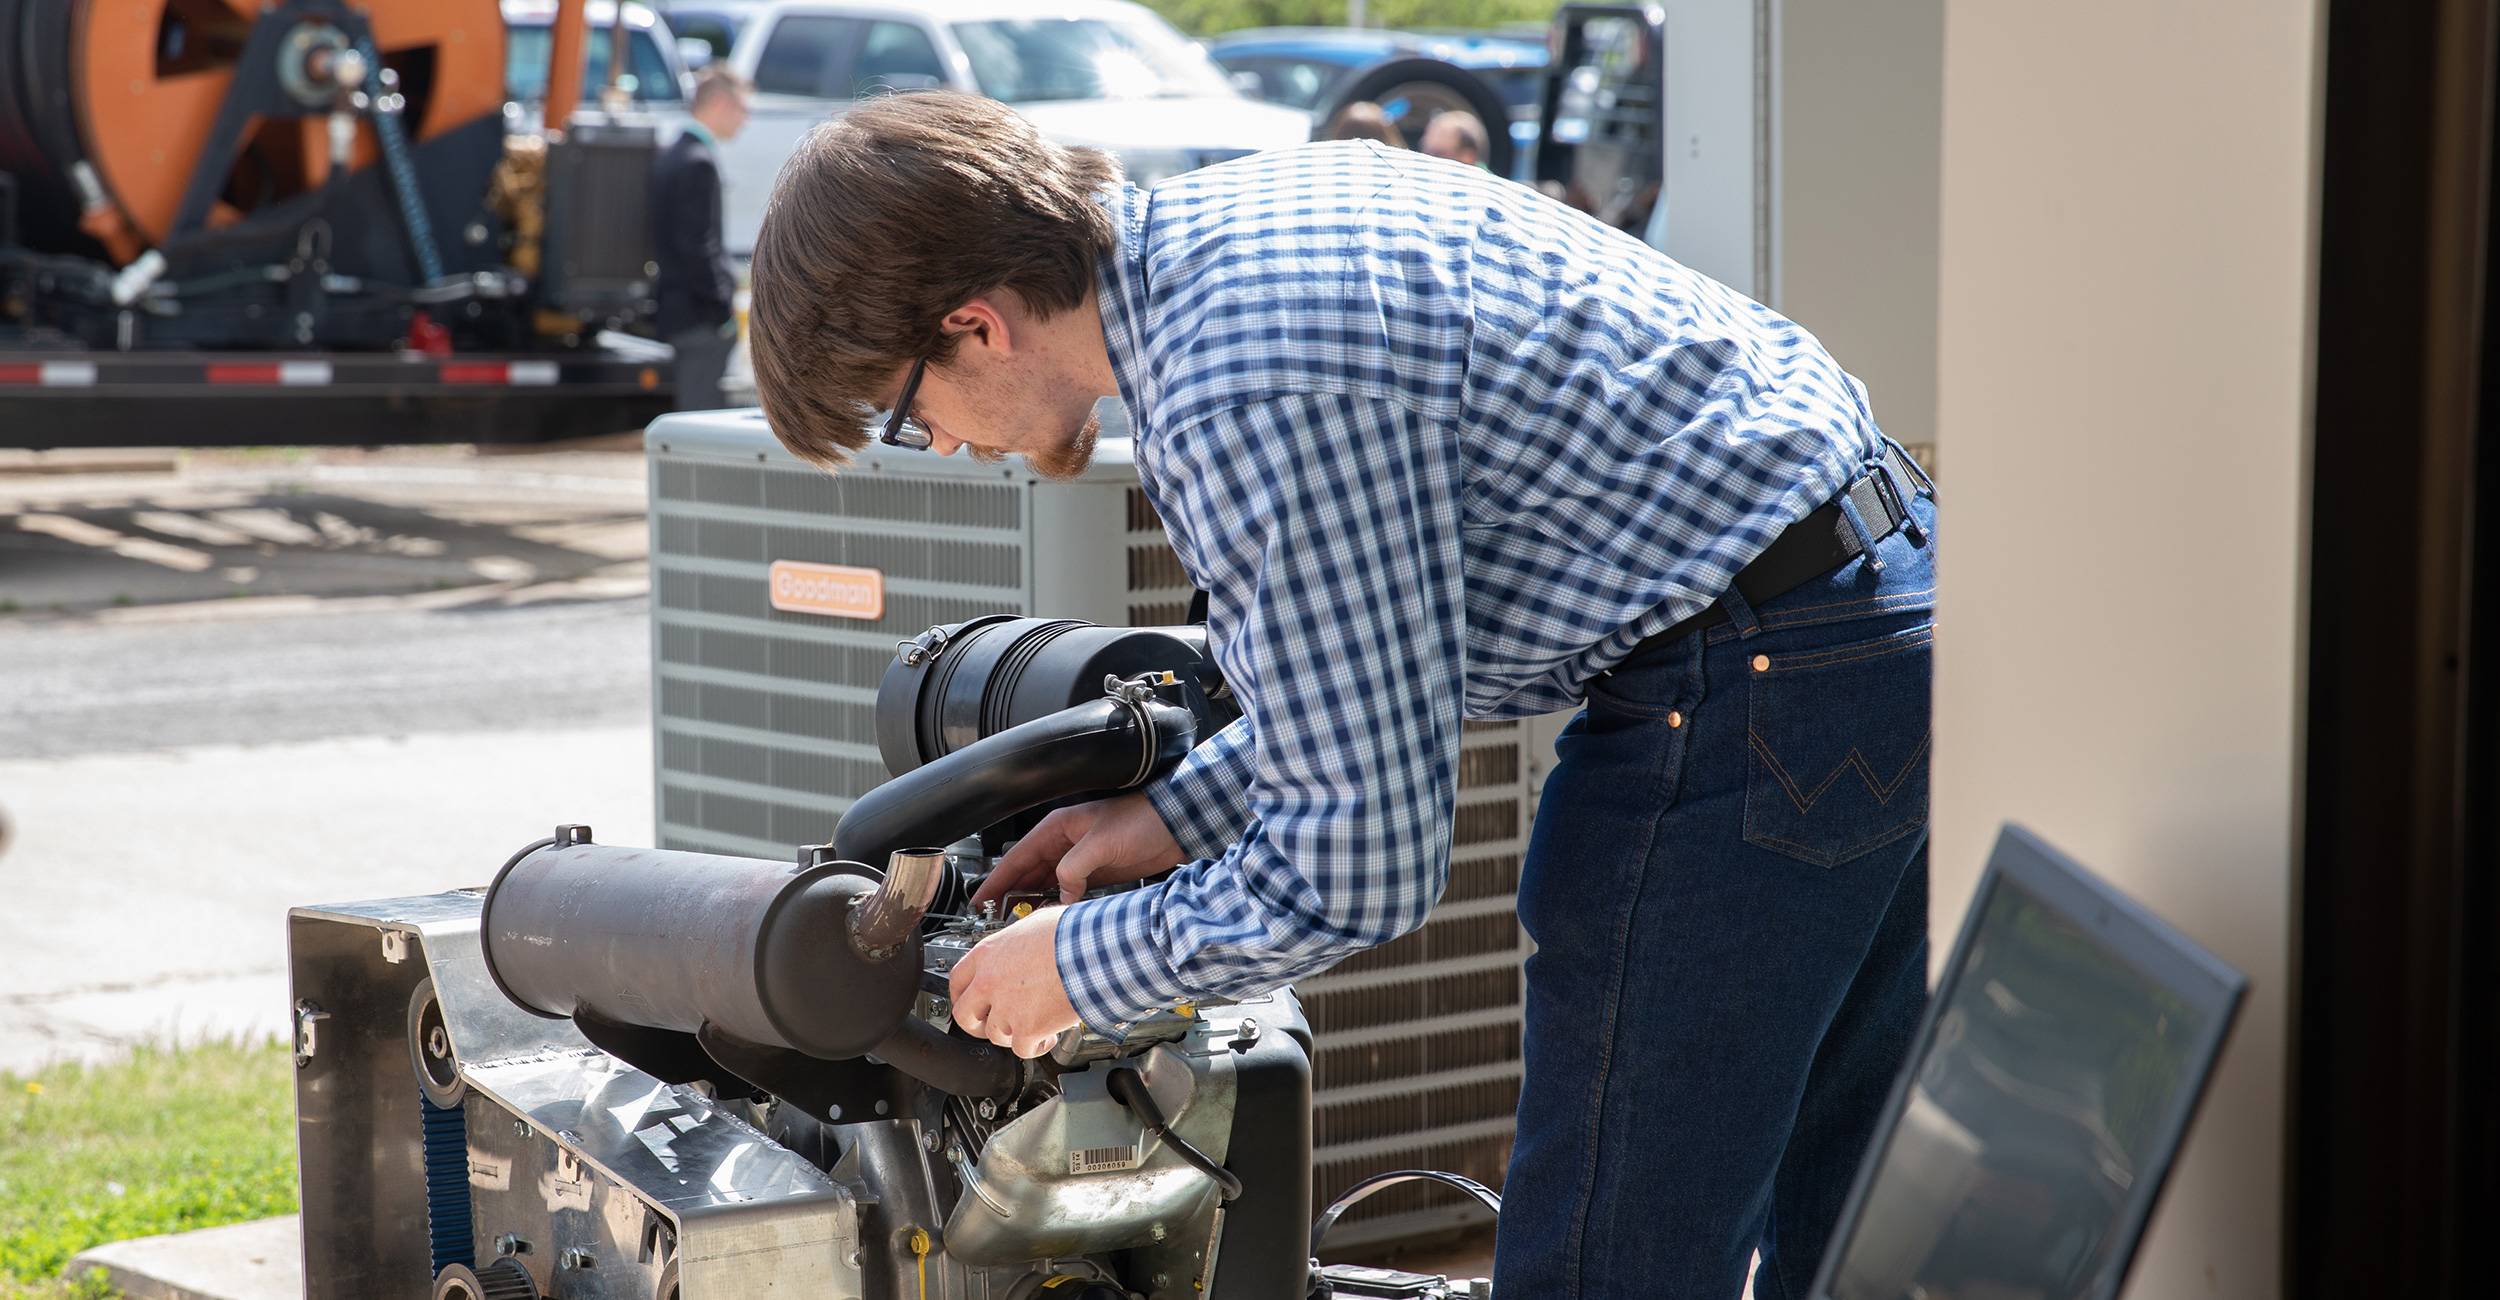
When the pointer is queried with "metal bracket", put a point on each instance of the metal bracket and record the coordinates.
(922, 648)
(308, 1015)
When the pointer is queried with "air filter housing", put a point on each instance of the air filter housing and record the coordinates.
(779, 593)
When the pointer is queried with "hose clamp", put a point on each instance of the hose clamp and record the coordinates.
(1132, 694)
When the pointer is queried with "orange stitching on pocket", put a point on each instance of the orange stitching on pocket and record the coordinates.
(1594, 695)
(1882, 790)
(1803, 660)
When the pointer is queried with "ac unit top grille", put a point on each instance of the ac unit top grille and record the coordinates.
(850, 496)
(981, 564)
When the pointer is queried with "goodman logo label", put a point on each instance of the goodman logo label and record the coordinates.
(831, 589)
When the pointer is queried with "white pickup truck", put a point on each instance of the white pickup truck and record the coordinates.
(1103, 73)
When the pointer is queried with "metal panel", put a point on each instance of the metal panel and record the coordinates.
(593, 1175)
(598, 242)
(766, 719)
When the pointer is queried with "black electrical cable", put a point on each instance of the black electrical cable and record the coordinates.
(1128, 1087)
(1484, 1196)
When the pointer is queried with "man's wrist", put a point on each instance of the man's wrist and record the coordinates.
(1112, 969)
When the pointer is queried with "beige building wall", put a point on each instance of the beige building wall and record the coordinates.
(1853, 210)
(2125, 315)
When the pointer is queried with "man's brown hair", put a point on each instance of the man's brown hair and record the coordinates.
(885, 220)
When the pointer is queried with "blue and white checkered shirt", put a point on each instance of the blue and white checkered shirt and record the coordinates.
(1438, 448)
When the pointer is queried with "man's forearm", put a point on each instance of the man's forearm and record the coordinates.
(1204, 802)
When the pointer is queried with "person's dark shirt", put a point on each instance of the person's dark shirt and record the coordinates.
(695, 283)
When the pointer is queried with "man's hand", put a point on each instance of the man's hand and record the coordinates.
(1007, 988)
(1105, 842)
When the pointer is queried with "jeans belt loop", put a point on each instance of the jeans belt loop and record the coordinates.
(1857, 524)
(1739, 612)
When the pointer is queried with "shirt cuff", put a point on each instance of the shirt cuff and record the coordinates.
(1112, 968)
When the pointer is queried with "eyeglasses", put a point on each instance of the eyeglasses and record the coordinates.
(900, 429)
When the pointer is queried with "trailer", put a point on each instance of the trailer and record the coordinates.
(310, 222)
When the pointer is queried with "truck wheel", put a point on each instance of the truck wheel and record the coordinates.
(1414, 91)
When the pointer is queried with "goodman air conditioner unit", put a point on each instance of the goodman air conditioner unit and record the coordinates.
(779, 594)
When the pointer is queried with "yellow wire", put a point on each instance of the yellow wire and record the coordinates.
(920, 1251)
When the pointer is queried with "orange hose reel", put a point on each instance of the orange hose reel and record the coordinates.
(148, 76)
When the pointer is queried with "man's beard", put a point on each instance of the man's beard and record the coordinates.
(1059, 464)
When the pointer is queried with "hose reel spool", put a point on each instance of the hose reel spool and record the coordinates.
(131, 89)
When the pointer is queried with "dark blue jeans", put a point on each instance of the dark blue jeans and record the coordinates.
(1727, 885)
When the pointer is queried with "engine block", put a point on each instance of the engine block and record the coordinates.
(457, 1147)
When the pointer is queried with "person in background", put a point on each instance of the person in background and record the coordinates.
(1458, 135)
(1363, 120)
(695, 286)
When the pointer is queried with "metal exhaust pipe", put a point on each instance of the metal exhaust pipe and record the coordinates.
(883, 920)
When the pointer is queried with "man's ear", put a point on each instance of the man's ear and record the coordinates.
(982, 324)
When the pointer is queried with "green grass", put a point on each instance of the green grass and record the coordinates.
(165, 1141)
(91, 1287)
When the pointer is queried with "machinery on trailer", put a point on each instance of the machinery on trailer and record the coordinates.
(224, 221)
(621, 1072)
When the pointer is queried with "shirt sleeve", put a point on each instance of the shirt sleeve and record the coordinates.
(1327, 528)
(1205, 801)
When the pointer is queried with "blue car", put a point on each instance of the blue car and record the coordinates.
(1413, 76)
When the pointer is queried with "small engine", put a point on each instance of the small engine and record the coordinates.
(643, 1073)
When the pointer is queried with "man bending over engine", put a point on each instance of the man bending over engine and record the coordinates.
(1438, 449)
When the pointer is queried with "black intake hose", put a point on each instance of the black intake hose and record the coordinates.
(1107, 745)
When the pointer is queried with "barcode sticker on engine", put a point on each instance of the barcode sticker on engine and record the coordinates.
(1102, 1160)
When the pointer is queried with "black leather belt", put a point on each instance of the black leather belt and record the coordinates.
(1818, 543)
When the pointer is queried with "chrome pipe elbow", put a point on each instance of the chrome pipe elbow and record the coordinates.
(881, 921)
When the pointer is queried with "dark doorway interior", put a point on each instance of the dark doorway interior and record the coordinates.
(2395, 1137)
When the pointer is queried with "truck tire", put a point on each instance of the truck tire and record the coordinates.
(1413, 91)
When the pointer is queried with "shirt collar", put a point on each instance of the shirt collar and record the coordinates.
(1120, 280)
(702, 133)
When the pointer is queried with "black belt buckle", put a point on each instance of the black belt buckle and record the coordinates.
(1888, 486)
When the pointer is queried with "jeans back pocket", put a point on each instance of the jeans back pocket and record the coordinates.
(1838, 740)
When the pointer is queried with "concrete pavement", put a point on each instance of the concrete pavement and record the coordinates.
(178, 774)
(241, 1261)
(305, 672)
(328, 522)
(146, 893)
